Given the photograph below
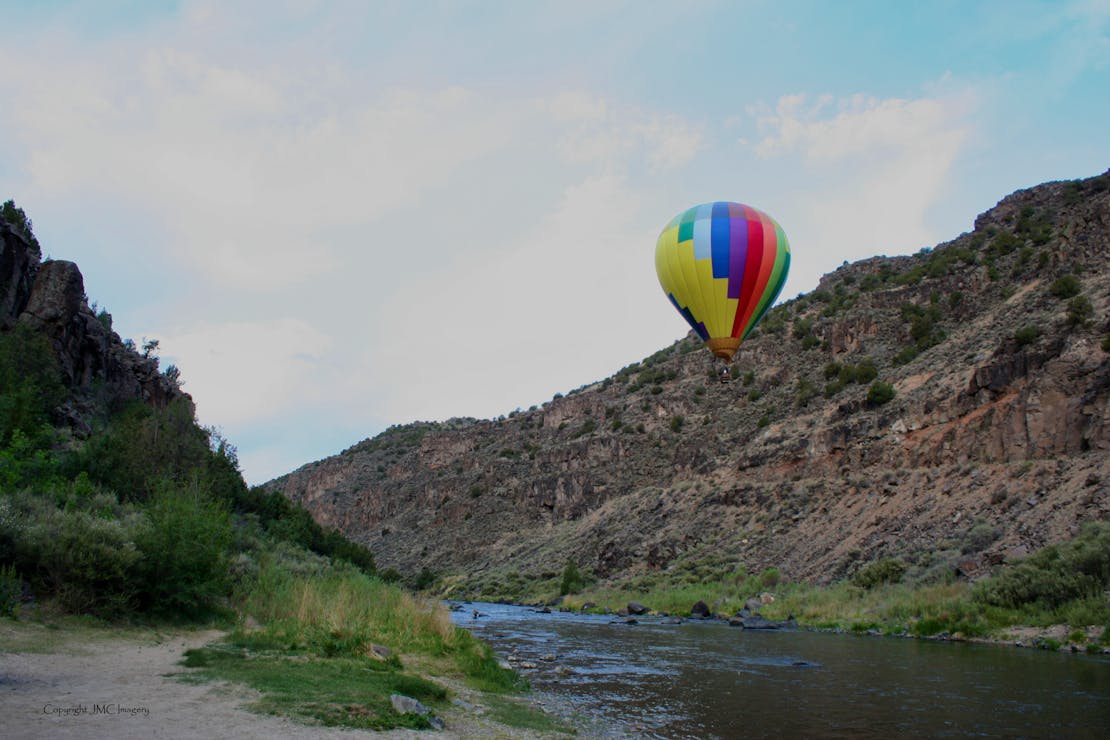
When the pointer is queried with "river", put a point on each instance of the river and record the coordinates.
(706, 679)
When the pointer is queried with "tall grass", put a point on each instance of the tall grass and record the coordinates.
(1060, 584)
(344, 612)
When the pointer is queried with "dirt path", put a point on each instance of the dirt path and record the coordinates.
(87, 685)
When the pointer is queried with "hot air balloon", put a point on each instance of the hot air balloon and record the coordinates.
(722, 265)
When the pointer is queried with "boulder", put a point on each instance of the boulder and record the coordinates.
(407, 705)
(700, 610)
(635, 607)
(760, 622)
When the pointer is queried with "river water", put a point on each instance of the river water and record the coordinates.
(703, 680)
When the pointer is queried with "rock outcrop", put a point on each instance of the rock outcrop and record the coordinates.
(49, 297)
(995, 440)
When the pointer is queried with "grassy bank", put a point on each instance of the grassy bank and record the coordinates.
(1062, 586)
(331, 644)
(144, 522)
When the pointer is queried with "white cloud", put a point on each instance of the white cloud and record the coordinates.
(242, 372)
(247, 166)
(861, 126)
(597, 132)
(868, 170)
(498, 332)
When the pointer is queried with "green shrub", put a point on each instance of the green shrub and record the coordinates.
(1027, 335)
(1066, 286)
(880, 393)
(1106, 343)
(19, 222)
(572, 581)
(1054, 575)
(979, 537)
(425, 580)
(142, 447)
(85, 556)
(1080, 311)
(906, 354)
(677, 422)
(30, 383)
(805, 391)
(1004, 243)
(885, 570)
(802, 328)
(186, 551)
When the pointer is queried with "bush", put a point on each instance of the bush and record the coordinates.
(86, 556)
(880, 393)
(425, 580)
(30, 383)
(1080, 311)
(885, 570)
(1054, 575)
(185, 553)
(906, 354)
(573, 581)
(19, 222)
(805, 391)
(1027, 335)
(1066, 286)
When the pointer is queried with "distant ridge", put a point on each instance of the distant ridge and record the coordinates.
(949, 408)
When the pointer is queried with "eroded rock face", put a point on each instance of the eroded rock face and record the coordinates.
(50, 298)
(18, 266)
(987, 448)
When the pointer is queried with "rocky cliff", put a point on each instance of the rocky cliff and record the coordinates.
(950, 408)
(100, 370)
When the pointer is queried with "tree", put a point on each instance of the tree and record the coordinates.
(572, 579)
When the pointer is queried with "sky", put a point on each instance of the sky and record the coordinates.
(340, 216)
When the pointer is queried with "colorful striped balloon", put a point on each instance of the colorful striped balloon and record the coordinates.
(722, 265)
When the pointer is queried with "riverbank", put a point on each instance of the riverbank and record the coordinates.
(1055, 598)
(83, 680)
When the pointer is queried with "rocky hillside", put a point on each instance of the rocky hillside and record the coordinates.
(100, 370)
(950, 408)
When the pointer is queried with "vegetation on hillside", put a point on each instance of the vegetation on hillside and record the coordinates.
(1064, 583)
(147, 519)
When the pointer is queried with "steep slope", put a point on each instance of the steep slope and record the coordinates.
(99, 369)
(994, 443)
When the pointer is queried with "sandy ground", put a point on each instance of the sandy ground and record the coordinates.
(86, 685)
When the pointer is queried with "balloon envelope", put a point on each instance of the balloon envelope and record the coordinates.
(722, 265)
